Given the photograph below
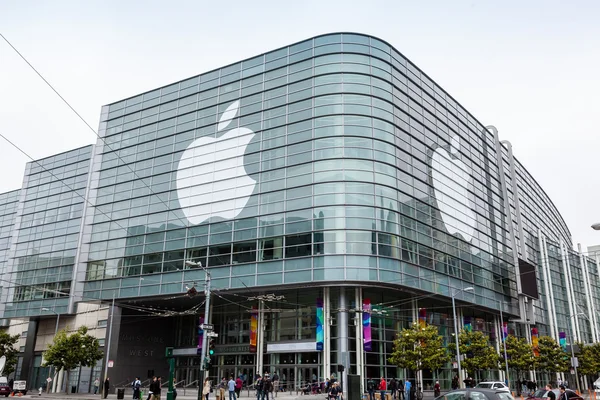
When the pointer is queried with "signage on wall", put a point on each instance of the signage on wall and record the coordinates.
(451, 179)
(320, 336)
(196, 172)
(111, 363)
(367, 325)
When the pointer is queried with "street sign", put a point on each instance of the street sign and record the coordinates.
(207, 327)
(574, 362)
(212, 334)
(110, 363)
(48, 379)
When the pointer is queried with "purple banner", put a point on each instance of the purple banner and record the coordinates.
(367, 325)
(200, 335)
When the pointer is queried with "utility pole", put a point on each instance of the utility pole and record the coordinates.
(203, 372)
(112, 314)
(504, 344)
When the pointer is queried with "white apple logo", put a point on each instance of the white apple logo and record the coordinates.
(211, 177)
(450, 182)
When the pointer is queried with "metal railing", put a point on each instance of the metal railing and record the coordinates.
(190, 384)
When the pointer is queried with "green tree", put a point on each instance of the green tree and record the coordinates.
(71, 351)
(476, 350)
(520, 355)
(419, 348)
(552, 357)
(589, 360)
(8, 349)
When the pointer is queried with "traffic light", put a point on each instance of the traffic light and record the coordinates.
(211, 347)
(207, 363)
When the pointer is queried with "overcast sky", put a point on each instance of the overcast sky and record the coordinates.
(530, 68)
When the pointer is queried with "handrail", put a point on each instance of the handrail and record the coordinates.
(191, 383)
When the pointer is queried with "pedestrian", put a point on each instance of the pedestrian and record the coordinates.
(393, 387)
(382, 388)
(222, 388)
(238, 386)
(136, 385)
(151, 387)
(96, 385)
(455, 382)
(407, 389)
(370, 388)
(267, 386)
(436, 389)
(413, 391)
(258, 385)
(174, 390)
(275, 382)
(106, 386)
(563, 394)
(400, 389)
(156, 390)
(550, 394)
(231, 388)
(206, 388)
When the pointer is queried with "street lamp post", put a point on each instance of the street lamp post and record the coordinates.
(504, 343)
(206, 321)
(55, 332)
(573, 351)
(469, 289)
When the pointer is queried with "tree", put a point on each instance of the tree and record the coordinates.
(552, 357)
(520, 355)
(8, 349)
(419, 348)
(71, 351)
(477, 352)
(589, 360)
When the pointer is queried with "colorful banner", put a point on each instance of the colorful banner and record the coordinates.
(562, 340)
(253, 329)
(367, 325)
(200, 336)
(467, 324)
(534, 342)
(422, 317)
(320, 335)
(505, 331)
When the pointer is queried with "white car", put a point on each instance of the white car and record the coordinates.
(498, 386)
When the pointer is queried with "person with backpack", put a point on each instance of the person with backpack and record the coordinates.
(371, 389)
(136, 385)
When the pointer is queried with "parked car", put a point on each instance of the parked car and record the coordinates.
(5, 389)
(476, 394)
(498, 386)
(542, 394)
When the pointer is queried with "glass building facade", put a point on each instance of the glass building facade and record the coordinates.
(330, 169)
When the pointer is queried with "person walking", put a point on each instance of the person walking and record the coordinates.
(157, 388)
(437, 389)
(136, 385)
(106, 386)
(382, 388)
(222, 387)
(151, 387)
(275, 382)
(231, 388)
(96, 385)
(239, 382)
(400, 389)
(563, 394)
(258, 385)
(551, 395)
(370, 389)
(393, 387)
(455, 382)
(206, 389)
(267, 386)
(407, 389)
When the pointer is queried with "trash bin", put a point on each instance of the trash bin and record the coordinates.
(120, 394)
(73, 389)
